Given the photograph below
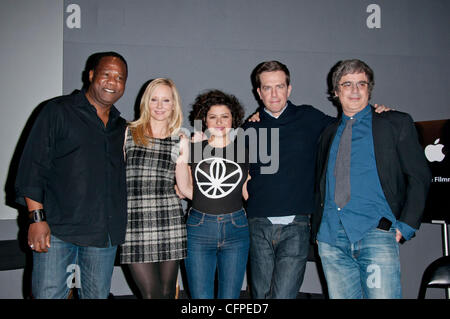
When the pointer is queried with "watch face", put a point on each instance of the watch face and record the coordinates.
(37, 216)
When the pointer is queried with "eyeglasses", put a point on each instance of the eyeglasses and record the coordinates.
(361, 85)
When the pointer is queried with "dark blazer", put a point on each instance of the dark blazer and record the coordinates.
(402, 168)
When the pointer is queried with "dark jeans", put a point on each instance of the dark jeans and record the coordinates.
(216, 242)
(278, 256)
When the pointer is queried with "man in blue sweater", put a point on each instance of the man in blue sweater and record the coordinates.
(280, 203)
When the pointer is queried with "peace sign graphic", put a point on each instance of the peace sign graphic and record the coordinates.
(216, 183)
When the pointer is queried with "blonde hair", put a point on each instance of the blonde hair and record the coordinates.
(141, 128)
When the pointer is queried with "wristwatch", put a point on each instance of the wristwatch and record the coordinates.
(36, 216)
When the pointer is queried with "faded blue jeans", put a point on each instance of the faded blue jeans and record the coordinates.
(67, 266)
(369, 268)
(216, 242)
(278, 256)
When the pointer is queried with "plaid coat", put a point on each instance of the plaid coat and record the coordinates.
(156, 230)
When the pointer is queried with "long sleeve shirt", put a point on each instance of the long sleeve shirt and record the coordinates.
(367, 203)
(73, 164)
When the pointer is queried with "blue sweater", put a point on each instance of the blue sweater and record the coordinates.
(289, 191)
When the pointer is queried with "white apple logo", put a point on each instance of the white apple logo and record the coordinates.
(433, 152)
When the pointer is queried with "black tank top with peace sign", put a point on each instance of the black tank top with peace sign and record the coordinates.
(218, 175)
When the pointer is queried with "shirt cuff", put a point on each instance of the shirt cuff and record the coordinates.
(406, 230)
(34, 193)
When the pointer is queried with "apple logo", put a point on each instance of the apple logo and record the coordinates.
(433, 152)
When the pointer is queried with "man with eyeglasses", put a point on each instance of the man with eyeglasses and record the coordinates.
(280, 203)
(372, 180)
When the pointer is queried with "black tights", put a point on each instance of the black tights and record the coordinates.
(156, 280)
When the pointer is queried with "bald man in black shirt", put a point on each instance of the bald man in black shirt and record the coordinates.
(71, 177)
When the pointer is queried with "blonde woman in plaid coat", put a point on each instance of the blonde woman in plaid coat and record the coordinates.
(155, 240)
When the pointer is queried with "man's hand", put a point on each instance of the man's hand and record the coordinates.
(254, 117)
(39, 237)
(198, 137)
(398, 235)
(381, 108)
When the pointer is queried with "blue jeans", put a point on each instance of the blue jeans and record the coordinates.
(67, 266)
(216, 242)
(278, 256)
(369, 268)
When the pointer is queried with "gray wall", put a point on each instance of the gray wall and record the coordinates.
(31, 66)
(203, 44)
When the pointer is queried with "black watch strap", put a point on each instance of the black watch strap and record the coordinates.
(37, 215)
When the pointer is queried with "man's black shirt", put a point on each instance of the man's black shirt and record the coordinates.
(74, 166)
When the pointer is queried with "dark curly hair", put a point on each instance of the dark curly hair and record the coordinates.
(203, 102)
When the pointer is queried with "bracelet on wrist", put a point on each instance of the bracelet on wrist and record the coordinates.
(37, 215)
